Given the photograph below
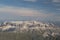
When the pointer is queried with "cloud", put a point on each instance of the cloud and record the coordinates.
(56, 18)
(21, 11)
(31, 0)
(58, 10)
(56, 1)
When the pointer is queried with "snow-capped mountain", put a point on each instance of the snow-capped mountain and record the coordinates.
(29, 26)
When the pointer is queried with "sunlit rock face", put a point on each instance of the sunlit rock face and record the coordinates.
(29, 26)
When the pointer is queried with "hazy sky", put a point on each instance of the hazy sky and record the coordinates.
(30, 10)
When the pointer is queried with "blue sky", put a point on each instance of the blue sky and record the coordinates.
(46, 10)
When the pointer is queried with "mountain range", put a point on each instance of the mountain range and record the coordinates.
(30, 26)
